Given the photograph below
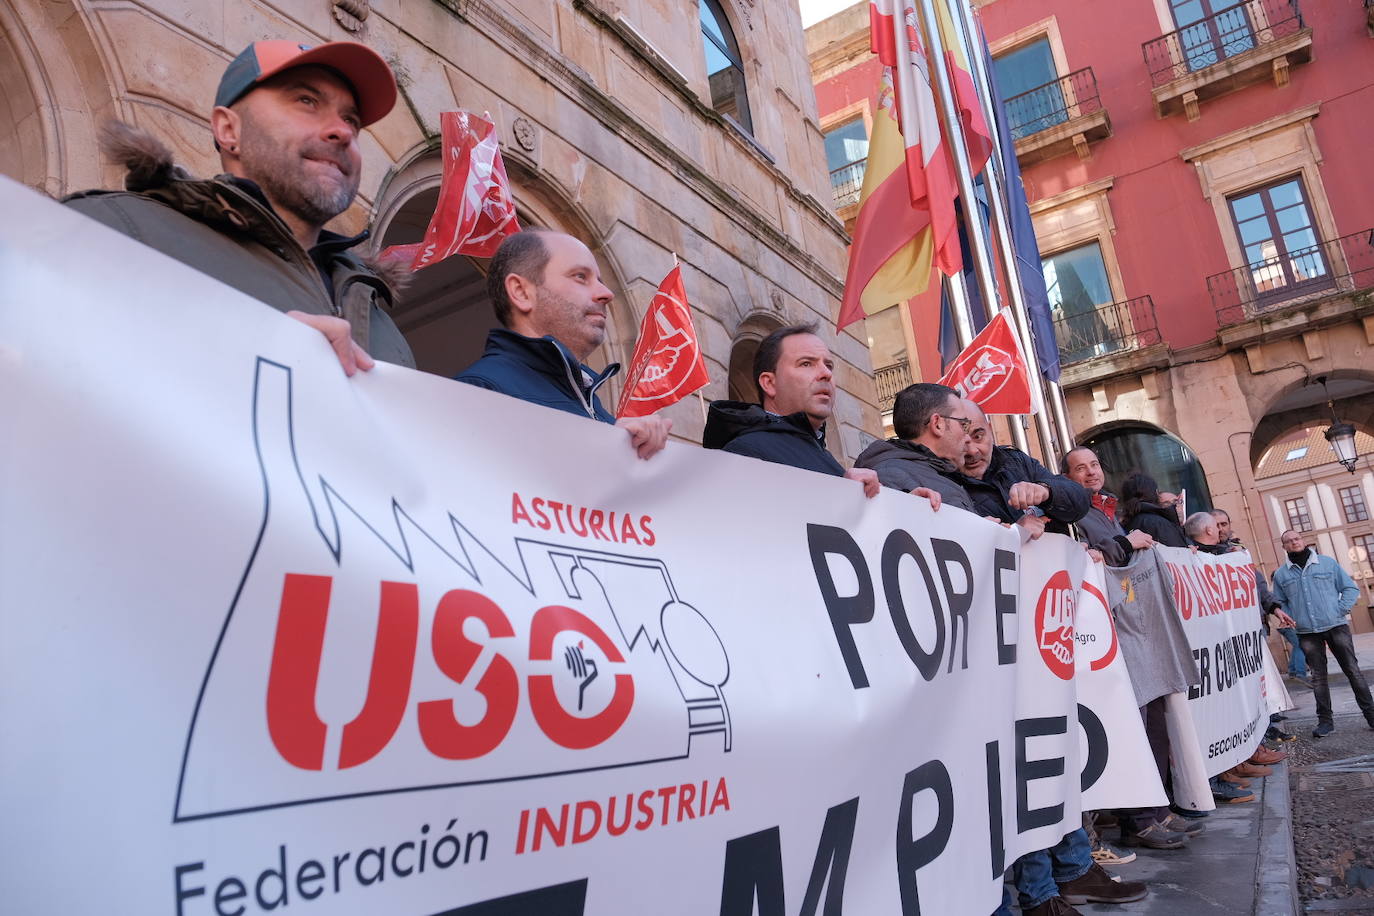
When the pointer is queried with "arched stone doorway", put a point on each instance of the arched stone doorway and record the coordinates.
(753, 329)
(1134, 446)
(446, 313)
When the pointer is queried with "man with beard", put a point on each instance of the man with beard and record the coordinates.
(932, 427)
(547, 292)
(794, 376)
(286, 122)
(1010, 485)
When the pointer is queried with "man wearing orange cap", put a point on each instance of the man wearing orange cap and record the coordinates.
(286, 121)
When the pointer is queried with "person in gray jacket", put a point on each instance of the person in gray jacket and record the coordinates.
(1318, 595)
(932, 427)
(1099, 528)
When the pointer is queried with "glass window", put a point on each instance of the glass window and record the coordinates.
(1361, 551)
(846, 153)
(1211, 30)
(724, 66)
(1078, 286)
(1299, 519)
(1165, 458)
(1352, 504)
(1028, 81)
(1277, 233)
(1296, 453)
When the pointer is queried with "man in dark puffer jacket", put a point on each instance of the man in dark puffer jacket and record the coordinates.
(1005, 482)
(286, 122)
(793, 371)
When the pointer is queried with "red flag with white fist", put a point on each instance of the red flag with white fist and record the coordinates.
(667, 364)
(991, 371)
(475, 209)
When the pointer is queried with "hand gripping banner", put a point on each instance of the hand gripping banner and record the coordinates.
(277, 638)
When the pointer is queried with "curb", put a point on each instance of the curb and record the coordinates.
(1276, 881)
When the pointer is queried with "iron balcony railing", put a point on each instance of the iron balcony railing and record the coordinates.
(890, 380)
(845, 183)
(1346, 263)
(1220, 36)
(1055, 102)
(1101, 330)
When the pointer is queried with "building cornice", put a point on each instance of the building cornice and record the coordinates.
(1245, 134)
(1063, 198)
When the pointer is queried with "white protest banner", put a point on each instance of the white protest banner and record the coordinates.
(391, 644)
(1217, 600)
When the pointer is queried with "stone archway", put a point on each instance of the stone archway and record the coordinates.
(740, 375)
(54, 92)
(1132, 445)
(1303, 404)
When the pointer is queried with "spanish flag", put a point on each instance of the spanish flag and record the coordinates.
(905, 224)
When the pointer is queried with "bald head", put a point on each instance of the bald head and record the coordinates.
(978, 449)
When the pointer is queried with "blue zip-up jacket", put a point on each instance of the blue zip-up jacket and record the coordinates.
(540, 370)
(1318, 596)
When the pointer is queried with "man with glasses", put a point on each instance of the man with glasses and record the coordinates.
(1010, 485)
(932, 427)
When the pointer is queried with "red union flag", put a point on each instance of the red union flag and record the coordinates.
(475, 210)
(667, 364)
(991, 371)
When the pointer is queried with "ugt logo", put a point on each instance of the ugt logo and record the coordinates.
(1054, 614)
(365, 653)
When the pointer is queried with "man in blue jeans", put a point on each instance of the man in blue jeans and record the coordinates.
(1049, 882)
(1318, 595)
(1297, 664)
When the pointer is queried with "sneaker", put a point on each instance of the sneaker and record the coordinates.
(1055, 906)
(1155, 836)
(1227, 794)
(1105, 853)
(1274, 733)
(1323, 729)
(1182, 825)
(1096, 886)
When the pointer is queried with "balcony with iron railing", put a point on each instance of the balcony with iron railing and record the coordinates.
(1114, 329)
(1061, 116)
(1243, 44)
(890, 380)
(846, 182)
(1304, 276)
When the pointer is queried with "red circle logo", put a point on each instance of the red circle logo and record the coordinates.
(1054, 625)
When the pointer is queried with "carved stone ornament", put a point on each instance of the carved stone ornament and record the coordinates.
(351, 13)
(746, 9)
(524, 134)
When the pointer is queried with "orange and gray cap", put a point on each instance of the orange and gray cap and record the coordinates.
(373, 84)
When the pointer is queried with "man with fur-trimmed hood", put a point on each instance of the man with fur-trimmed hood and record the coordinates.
(286, 122)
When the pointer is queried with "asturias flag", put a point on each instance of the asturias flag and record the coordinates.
(667, 364)
(991, 371)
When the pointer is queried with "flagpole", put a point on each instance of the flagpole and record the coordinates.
(701, 398)
(943, 87)
(1051, 447)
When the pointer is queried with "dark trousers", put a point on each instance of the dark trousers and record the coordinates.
(1157, 734)
(1342, 645)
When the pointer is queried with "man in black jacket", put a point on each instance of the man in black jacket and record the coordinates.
(547, 292)
(932, 429)
(1008, 484)
(794, 375)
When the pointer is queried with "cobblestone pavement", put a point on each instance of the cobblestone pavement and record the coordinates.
(1332, 785)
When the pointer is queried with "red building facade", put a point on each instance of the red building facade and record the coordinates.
(1199, 178)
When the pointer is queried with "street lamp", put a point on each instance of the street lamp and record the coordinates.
(1341, 436)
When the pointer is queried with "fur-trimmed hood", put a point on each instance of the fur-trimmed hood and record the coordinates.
(150, 168)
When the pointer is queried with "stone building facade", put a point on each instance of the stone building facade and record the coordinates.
(611, 127)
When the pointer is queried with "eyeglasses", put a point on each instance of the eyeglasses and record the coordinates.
(965, 422)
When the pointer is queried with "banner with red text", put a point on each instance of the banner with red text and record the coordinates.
(275, 638)
(1217, 599)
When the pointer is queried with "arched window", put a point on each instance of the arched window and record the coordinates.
(1162, 456)
(724, 66)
